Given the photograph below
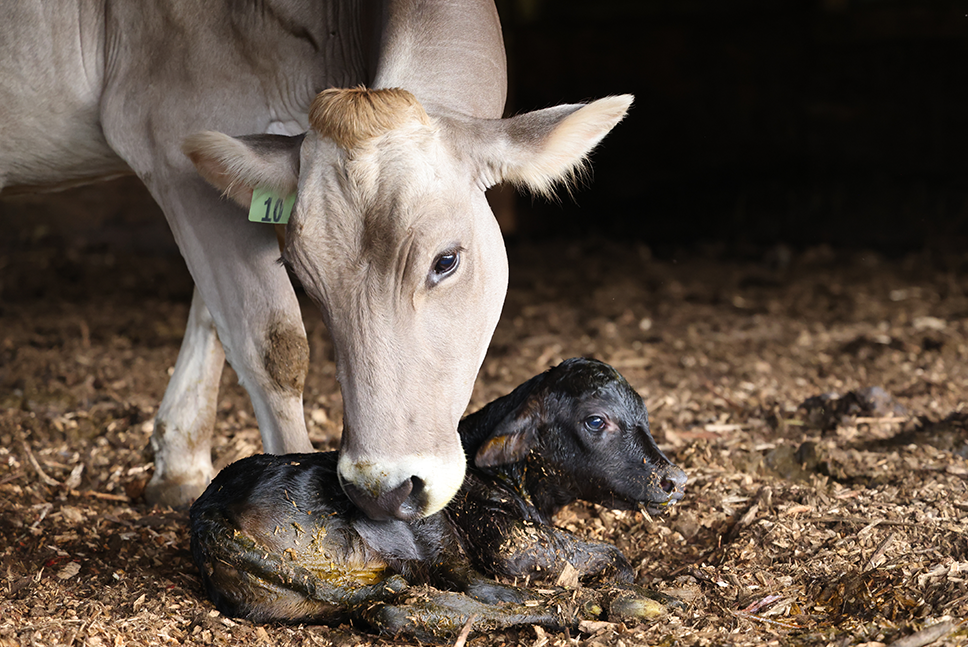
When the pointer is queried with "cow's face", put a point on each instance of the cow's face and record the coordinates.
(392, 236)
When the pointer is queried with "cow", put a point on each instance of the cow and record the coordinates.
(275, 539)
(383, 119)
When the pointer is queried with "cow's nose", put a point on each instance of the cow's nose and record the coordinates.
(407, 501)
(402, 486)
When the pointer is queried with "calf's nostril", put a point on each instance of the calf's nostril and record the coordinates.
(672, 481)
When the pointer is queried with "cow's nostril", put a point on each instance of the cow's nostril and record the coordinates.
(405, 502)
(667, 486)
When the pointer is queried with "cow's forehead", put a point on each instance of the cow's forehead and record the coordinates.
(400, 167)
(384, 198)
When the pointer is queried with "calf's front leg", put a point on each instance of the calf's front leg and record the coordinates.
(523, 549)
(432, 616)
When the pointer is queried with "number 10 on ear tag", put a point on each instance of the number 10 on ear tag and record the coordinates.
(270, 207)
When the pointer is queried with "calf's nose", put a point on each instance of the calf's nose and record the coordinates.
(672, 481)
(407, 501)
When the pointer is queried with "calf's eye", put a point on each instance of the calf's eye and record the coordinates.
(595, 423)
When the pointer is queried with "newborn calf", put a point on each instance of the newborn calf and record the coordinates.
(275, 538)
(578, 431)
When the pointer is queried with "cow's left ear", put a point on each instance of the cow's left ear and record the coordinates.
(237, 165)
(544, 148)
(513, 437)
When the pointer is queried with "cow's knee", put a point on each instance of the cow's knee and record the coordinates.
(273, 371)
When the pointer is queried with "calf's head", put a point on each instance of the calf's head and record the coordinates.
(585, 431)
(392, 237)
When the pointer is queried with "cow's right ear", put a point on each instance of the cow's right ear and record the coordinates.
(513, 437)
(237, 165)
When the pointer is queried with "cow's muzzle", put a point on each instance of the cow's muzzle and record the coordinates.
(407, 488)
(406, 502)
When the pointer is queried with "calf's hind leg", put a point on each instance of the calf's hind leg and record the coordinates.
(245, 580)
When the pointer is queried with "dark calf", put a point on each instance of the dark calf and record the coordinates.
(275, 538)
(578, 431)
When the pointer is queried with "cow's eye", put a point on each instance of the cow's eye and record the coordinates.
(445, 264)
(595, 423)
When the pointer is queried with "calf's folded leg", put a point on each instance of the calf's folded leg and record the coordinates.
(245, 580)
(431, 615)
(520, 549)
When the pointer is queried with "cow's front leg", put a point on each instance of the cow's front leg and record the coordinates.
(244, 294)
(181, 440)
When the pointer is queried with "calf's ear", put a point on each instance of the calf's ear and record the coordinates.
(541, 149)
(513, 437)
(237, 165)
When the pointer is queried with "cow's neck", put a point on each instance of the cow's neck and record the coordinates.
(463, 71)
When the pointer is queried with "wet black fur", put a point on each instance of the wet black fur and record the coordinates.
(529, 453)
(559, 461)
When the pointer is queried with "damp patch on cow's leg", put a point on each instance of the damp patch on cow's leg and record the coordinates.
(286, 356)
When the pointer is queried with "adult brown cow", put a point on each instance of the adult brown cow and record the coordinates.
(390, 234)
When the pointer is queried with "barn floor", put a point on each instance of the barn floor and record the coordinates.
(798, 527)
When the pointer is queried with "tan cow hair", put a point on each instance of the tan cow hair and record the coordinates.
(354, 115)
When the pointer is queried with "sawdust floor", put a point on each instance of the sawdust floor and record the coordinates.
(798, 527)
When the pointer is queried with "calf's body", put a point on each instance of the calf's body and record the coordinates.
(276, 539)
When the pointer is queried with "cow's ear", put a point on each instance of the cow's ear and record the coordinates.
(541, 149)
(237, 165)
(513, 437)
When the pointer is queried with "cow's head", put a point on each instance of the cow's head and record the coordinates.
(392, 236)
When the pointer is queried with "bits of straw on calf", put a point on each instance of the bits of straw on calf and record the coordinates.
(276, 539)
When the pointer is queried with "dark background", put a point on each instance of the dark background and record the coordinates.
(757, 122)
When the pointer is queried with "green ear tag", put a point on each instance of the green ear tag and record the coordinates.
(270, 207)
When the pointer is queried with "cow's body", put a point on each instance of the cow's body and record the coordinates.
(93, 89)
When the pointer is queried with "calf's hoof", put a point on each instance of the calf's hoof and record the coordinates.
(630, 606)
(633, 601)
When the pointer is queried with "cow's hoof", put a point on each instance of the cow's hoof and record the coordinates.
(174, 494)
